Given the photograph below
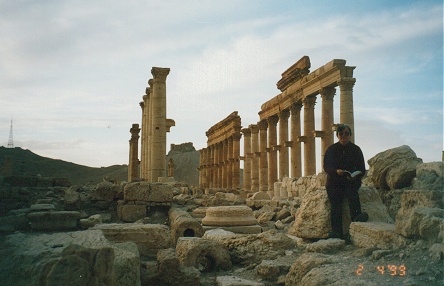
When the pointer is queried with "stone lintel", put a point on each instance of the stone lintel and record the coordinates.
(328, 75)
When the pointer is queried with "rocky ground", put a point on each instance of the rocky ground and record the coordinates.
(411, 266)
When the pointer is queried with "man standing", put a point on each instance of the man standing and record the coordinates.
(340, 160)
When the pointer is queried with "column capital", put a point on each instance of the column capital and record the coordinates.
(346, 83)
(295, 108)
(246, 131)
(327, 93)
(254, 128)
(142, 104)
(284, 114)
(237, 136)
(150, 82)
(263, 125)
(273, 120)
(309, 101)
(160, 74)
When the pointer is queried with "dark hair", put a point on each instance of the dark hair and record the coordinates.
(342, 127)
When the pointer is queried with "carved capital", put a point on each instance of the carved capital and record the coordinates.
(150, 82)
(246, 132)
(309, 101)
(254, 128)
(284, 115)
(273, 120)
(327, 93)
(346, 83)
(160, 74)
(263, 125)
(295, 108)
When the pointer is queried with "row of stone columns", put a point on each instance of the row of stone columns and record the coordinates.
(220, 165)
(261, 154)
(155, 125)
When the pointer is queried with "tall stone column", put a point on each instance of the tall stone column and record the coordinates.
(327, 94)
(133, 165)
(214, 170)
(283, 138)
(263, 162)
(254, 158)
(143, 155)
(310, 143)
(296, 154)
(247, 160)
(272, 158)
(230, 162)
(149, 136)
(224, 163)
(216, 165)
(158, 103)
(236, 157)
(346, 104)
(220, 175)
(207, 167)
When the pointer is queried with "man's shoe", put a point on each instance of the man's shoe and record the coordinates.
(363, 217)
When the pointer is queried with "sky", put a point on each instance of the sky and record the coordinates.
(72, 73)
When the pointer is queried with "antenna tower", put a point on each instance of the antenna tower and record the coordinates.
(10, 141)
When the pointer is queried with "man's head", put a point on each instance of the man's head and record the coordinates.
(343, 132)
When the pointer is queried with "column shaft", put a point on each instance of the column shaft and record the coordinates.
(346, 104)
(254, 158)
(247, 160)
(283, 138)
(309, 128)
(263, 162)
(133, 165)
(272, 158)
(296, 154)
(327, 139)
(236, 165)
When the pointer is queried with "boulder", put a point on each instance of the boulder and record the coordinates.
(203, 254)
(421, 211)
(149, 238)
(394, 168)
(429, 176)
(54, 220)
(172, 273)
(376, 235)
(148, 192)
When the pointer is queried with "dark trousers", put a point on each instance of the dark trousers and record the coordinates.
(336, 195)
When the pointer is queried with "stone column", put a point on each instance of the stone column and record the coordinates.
(208, 167)
(283, 138)
(214, 170)
(133, 166)
(272, 158)
(310, 143)
(254, 158)
(201, 167)
(236, 157)
(327, 94)
(263, 162)
(149, 136)
(224, 163)
(143, 155)
(220, 175)
(296, 162)
(216, 165)
(230, 162)
(158, 103)
(247, 160)
(346, 104)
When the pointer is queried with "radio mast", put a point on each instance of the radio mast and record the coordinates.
(10, 141)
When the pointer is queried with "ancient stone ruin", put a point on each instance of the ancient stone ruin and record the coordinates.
(268, 229)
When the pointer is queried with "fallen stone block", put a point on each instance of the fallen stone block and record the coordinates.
(149, 238)
(54, 220)
(376, 234)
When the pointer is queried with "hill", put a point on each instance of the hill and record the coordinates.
(22, 162)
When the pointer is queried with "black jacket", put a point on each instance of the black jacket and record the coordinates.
(348, 157)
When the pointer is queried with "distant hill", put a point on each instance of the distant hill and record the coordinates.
(26, 163)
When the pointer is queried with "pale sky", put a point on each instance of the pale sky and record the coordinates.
(72, 73)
